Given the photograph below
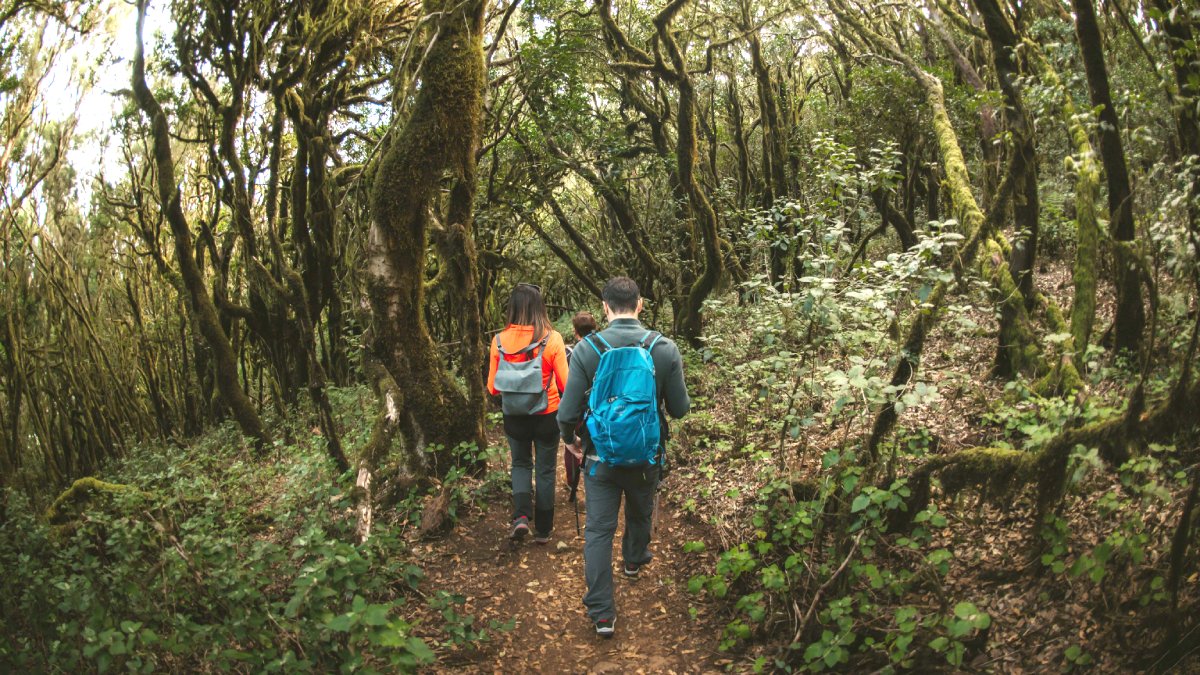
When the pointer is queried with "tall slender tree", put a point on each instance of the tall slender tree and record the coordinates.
(203, 309)
(1130, 318)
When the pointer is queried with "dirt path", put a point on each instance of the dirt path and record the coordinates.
(541, 587)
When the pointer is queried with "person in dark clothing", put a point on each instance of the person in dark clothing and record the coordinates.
(584, 324)
(607, 484)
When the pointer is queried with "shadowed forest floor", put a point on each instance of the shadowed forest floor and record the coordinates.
(540, 588)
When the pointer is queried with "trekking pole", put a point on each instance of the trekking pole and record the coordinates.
(575, 491)
(654, 515)
(662, 467)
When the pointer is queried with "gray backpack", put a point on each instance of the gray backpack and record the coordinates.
(520, 382)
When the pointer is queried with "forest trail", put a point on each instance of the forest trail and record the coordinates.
(540, 588)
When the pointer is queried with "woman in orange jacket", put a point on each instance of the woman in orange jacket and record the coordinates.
(529, 411)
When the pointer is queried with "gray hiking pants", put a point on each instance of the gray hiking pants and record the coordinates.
(604, 490)
(537, 450)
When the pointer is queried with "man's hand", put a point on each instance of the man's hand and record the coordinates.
(576, 449)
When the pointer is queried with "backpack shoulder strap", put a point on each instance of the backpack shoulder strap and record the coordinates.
(592, 343)
(533, 344)
(647, 343)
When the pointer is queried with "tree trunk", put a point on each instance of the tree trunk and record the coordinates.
(893, 218)
(987, 112)
(738, 132)
(933, 183)
(599, 271)
(1180, 38)
(1012, 352)
(1025, 194)
(964, 208)
(1130, 316)
(202, 308)
(440, 135)
(690, 325)
(581, 275)
(774, 142)
(1087, 240)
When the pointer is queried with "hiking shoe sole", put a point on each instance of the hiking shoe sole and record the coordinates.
(542, 539)
(631, 571)
(606, 627)
(520, 528)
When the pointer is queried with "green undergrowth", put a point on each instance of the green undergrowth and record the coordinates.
(217, 561)
(812, 570)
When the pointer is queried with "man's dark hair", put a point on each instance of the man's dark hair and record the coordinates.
(584, 324)
(621, 294)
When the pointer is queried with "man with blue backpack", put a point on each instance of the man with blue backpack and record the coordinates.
(621, 381)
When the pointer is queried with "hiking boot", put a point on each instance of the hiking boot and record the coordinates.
(605, 627)
(542, 538)
(631, 570)
(520, 528)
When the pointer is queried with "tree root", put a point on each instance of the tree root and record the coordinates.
(436, 519)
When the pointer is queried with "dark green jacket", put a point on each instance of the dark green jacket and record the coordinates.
(668, 375)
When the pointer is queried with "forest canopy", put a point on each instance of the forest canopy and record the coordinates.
(934, 268)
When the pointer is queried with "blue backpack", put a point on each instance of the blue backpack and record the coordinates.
(622, 417)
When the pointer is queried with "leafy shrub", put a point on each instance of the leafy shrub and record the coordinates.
(228, 565)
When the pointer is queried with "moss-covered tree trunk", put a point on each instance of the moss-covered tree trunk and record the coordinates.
(686, 185)
(463, 259)
(1064, 373)
(774, 139)
(440, 137)
(690, 325)
(988, 126)
(625, 218)
(1004, 41)
(1015, 340)
(977, 228)
(1130, 316)
(1000, 471)
(203, 310)
(1179, 28)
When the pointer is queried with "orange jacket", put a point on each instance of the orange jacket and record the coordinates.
(554, 361)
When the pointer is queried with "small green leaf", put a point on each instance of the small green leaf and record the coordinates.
(375, 615)
(421, 650)
(341, 624)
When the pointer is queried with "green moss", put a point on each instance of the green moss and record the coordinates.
(1019, 351)
(440, 137)
(77, 497)
(1087, 191)
(1063, 377)
(998, 471)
